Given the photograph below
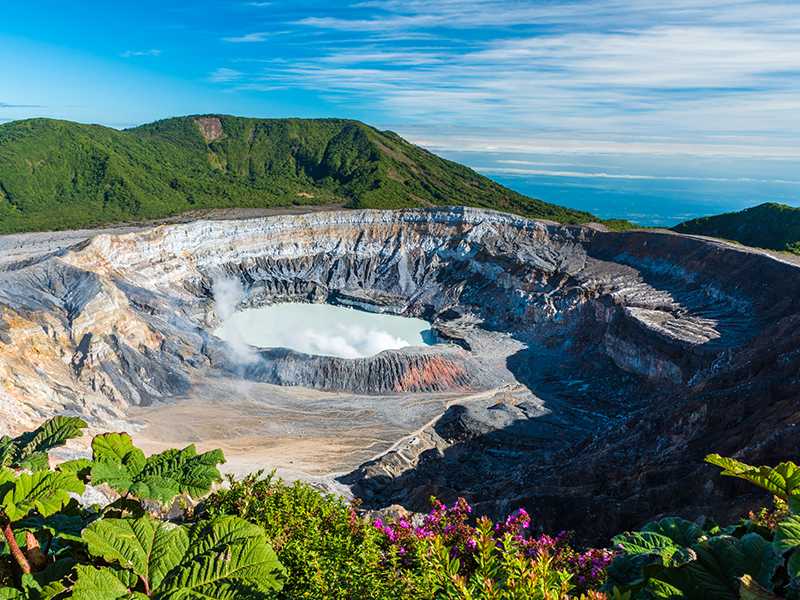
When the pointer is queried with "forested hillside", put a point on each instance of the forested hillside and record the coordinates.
(59, 174)
(772, 226)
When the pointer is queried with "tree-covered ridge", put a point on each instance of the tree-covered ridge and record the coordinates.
(772, 226)
(59, 174)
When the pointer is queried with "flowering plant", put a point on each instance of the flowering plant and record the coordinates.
(450, 528)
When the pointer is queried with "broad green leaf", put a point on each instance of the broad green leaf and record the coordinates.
(82, 467)
(653, 569)
(123, 508)
(625, 571)
(242, 569)
(710, 527)
(160, 489)
(207, 535)
(783, 480)
(38, 461)
(787, 534)
(750, 590)
(37, 587)
(98, 584)
(760, 552)
(52, 433)
(793, 564)
(7, 448)
(119, 448)
(7, 479)
(134, 544)
(222, 558)
(55, 572)
(190, 472)
(721, 562)
(682, 533)
(29, 450)
(648, 542)
(787, 537)
(117, 475)
(46, 491)
(30, 585)
(661, 590)
(6, 475)
(226, 557)
(51, 590)
(8, 593)
(160, 477)
(57, 525)
(682, 557)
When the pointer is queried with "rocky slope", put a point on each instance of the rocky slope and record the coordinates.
(629, 355)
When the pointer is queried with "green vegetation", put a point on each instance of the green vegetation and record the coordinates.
(29, 450)
(61, 175)
(756, 559)
(219, 558)
(772, 226)
(117, 462)
(262, 539)
(319, 539)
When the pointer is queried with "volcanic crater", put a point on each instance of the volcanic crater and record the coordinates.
(581, 373)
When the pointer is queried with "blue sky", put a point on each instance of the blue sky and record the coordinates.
(655, 111)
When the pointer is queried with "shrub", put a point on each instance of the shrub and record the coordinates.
(328, 551)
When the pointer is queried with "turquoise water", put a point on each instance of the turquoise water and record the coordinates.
(324, 329)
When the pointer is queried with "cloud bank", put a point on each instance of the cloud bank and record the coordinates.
(682, 67)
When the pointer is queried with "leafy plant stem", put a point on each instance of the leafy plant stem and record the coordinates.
(146, 585)
(14, 548)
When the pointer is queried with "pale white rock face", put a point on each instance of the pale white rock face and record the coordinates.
(128, 319)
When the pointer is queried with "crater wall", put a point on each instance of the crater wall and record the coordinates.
(600, 324)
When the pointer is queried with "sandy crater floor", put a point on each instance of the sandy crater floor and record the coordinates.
(301, 433)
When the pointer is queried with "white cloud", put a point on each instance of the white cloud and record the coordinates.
(251, 37)
(623, 65)
(129, 53)
(224, 76)
(5, 105)
(585, 175)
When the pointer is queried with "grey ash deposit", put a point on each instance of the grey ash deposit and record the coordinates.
(584, 373)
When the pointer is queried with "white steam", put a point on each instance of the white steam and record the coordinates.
(227, 294)
(345, 341)
(322, 329)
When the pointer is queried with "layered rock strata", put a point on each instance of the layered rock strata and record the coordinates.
(593, 326)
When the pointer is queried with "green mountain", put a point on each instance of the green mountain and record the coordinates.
(772, 226)
(61, 175)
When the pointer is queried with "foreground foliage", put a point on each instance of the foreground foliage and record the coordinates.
(759, 558)
(221, 558)
(117, 462)
(262, 539)
(332, 553)
(29, 450)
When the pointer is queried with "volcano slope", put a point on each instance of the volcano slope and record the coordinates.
(583, 373)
